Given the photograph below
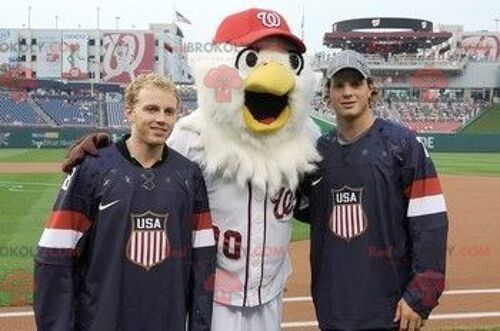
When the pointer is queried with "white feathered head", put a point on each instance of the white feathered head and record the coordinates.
(254, 103)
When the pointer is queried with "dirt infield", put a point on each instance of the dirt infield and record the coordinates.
(473, 273)
(40, 167)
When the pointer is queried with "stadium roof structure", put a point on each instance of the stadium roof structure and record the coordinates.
(384, 35)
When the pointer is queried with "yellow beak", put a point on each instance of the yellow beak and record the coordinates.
(272, 78)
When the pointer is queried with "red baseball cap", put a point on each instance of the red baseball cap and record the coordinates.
(247, 27)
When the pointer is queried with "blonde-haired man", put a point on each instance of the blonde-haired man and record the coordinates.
(129, 244)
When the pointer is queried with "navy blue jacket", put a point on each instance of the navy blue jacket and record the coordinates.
(127, 248)
(378, 228)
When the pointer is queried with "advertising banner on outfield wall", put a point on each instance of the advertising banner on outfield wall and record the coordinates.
(49, 57)
(28, 137)
(75, 55)
(9, 48)
(126, 55)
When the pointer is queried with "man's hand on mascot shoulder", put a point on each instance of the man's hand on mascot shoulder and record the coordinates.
(88, 145)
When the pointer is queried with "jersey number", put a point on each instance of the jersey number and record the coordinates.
(67, 181)
(232, 243)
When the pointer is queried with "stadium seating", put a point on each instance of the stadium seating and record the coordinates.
(437, 117)
(18, 112)
(70, 111)
(440, 116)
(434, 127)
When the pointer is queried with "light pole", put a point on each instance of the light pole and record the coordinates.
(98, 12)
(29, 17)
(57, 19)
(117, 19)
(496, 24)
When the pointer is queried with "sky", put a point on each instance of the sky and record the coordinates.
(205, 15)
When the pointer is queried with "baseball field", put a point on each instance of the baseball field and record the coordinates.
(29, 181)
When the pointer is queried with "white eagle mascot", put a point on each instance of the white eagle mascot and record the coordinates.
(253, 140)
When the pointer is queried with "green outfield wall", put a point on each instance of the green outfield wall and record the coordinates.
(435, 142)
(27, 137)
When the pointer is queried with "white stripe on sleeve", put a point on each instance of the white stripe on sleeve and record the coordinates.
(203, 238)
(426, 205)
(59, 238)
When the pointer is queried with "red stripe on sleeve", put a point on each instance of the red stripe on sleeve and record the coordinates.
(202, 221)
(423, 188)
(68, 220)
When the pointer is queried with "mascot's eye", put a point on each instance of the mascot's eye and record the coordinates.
(251, 59)
(247, 58)
(296, 62)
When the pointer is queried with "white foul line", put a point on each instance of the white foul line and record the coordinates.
(6, 183)
(297, 299)
(17, 314)
(477, 291)
(460, 316)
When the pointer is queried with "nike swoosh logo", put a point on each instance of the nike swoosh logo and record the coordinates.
(316, 181)
(106, 206)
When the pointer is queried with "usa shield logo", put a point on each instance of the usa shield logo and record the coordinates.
(348, 219)
(148, 244)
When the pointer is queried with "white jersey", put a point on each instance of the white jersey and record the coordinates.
(254, 230)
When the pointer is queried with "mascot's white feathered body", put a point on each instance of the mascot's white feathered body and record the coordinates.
(253, 140)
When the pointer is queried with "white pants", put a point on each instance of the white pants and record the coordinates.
(266, 317)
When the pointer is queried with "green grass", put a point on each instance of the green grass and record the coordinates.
(26, 200)
(489, 122)
(479, 164)
(300, 231)
(31, 155)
